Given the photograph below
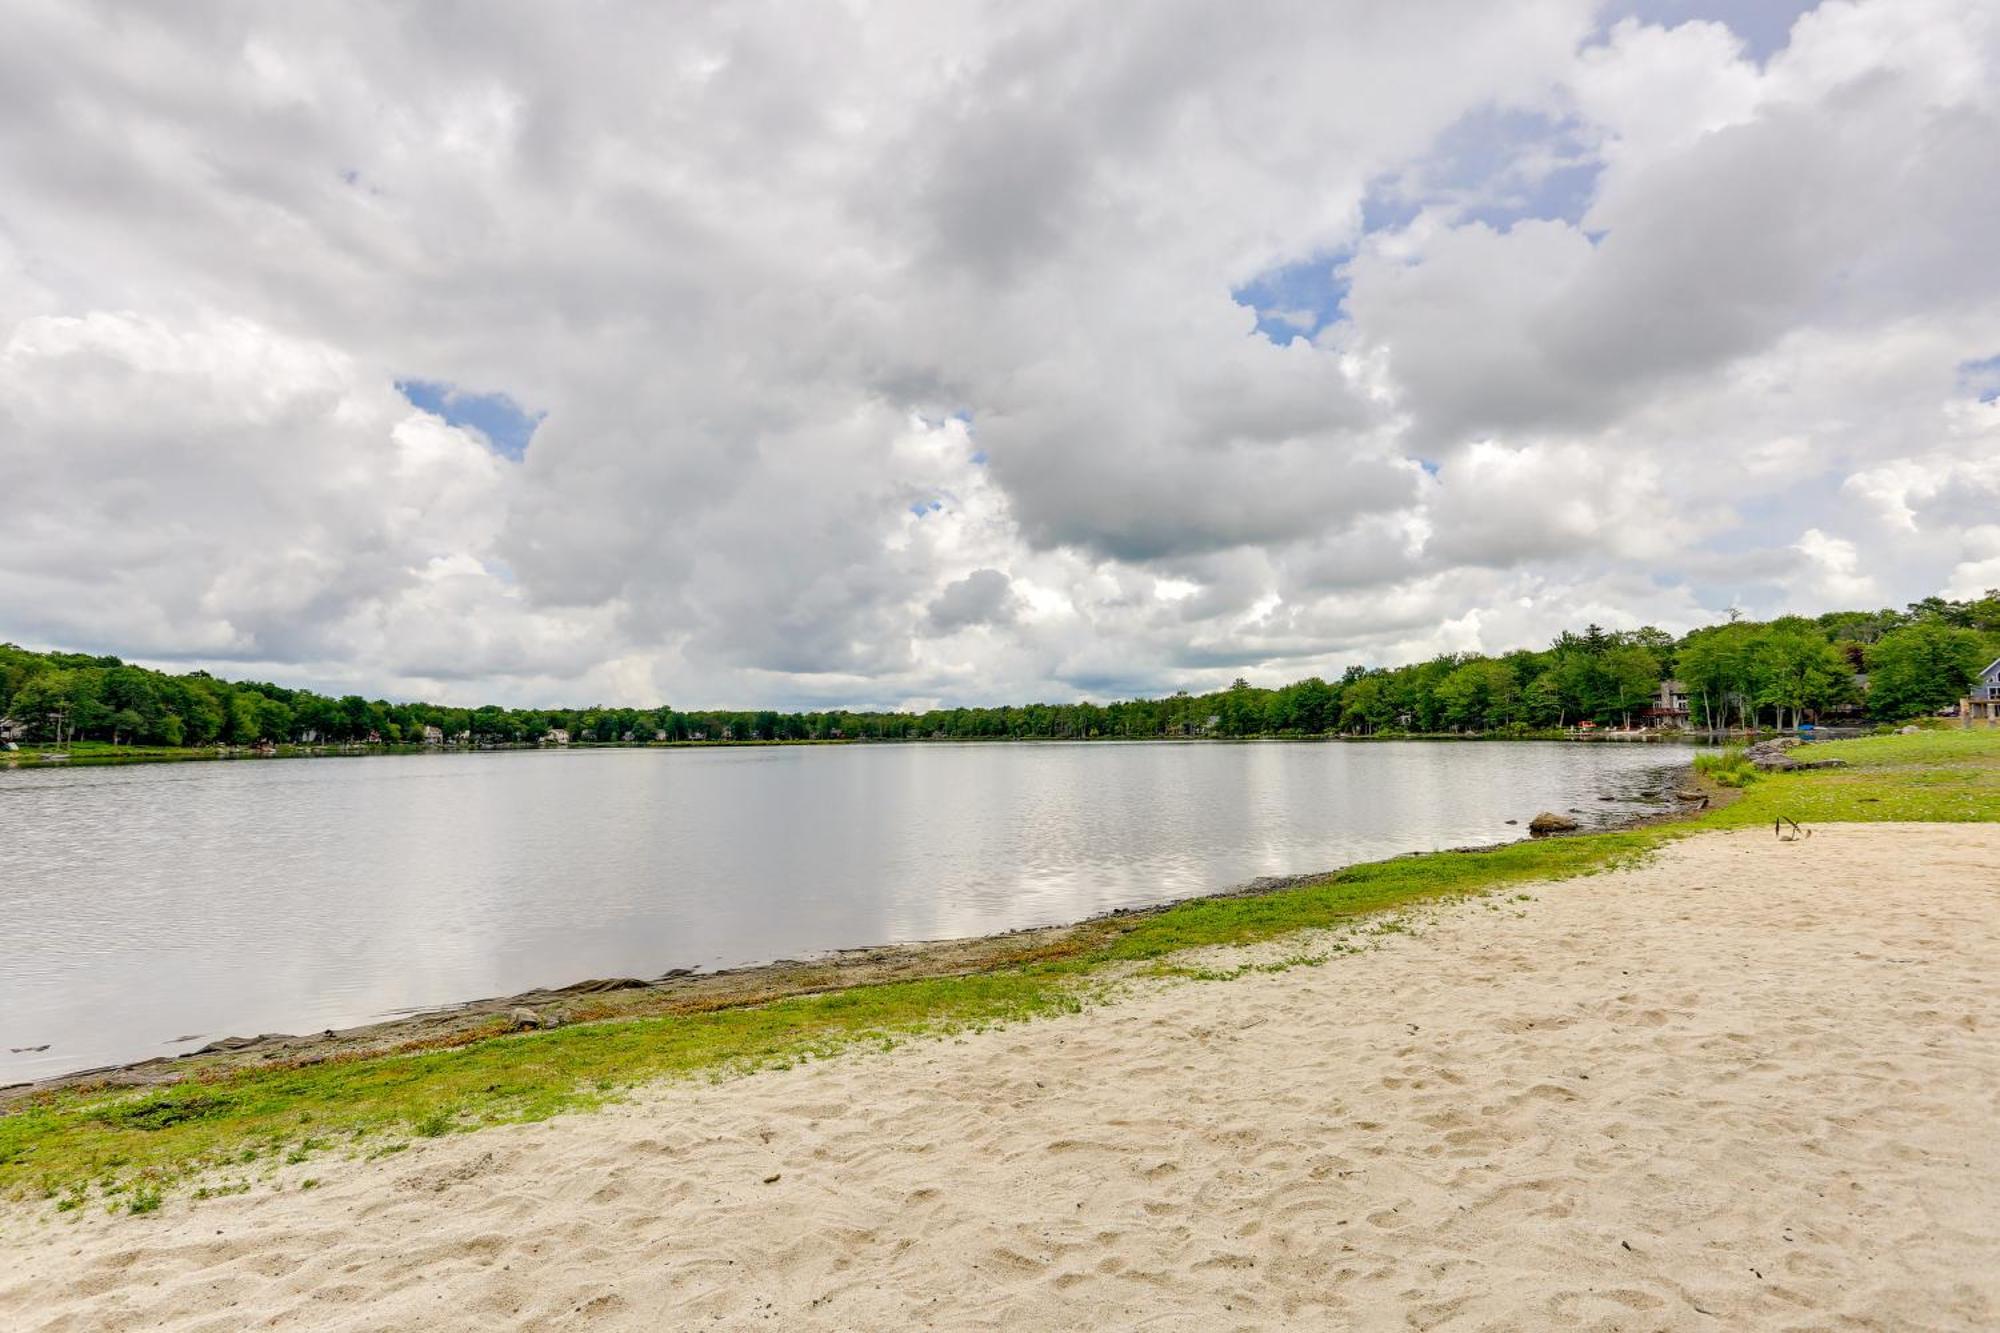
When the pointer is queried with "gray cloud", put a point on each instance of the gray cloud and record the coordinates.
(983, 597)
(835, 319)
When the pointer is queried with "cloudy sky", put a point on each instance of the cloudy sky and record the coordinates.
(792, 354)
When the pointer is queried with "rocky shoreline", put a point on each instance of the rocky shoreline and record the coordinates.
(686, 991)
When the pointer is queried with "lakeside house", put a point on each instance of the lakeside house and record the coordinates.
(1981, 705)
(556, 736)
(433, 735)
(1669, 707)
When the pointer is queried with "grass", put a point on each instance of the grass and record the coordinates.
(1930, 777)
(64, 1145)
(1729, 767)
(33, 754)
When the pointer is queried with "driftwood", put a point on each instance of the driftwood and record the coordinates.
(1797, 834)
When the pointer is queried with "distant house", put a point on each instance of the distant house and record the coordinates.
(1669, 707)
(556, 736)
(1981, 705)
(433, 735)
(1852, 709)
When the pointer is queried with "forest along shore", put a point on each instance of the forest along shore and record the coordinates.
(686, 990)
(1884, 666)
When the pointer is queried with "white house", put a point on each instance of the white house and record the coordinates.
(1981, 705)
(433, 735)
(556, 736)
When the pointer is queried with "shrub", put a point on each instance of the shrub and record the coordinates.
(1726, 768)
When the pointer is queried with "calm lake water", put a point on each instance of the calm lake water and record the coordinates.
(147, 910)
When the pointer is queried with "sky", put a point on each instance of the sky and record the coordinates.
(903, 354)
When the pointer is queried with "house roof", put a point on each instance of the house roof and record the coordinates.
(1987, 670)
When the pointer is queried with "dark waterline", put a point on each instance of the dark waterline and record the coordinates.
(149, 904)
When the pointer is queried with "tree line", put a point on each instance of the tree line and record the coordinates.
(1889, 665)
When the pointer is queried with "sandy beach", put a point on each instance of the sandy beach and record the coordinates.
(1751, 1084)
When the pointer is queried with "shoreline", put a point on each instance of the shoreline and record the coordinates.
(32, 757)
(683, 991)
(125, 1149)
(1714, 1088)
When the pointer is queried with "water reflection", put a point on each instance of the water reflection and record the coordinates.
(145, 904)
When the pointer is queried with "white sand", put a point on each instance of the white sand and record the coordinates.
(1754, 1085)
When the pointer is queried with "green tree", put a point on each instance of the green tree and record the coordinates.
(1922, 668)
(1715, 667)
(274, 718)
(244, 726)
(1541, 702)
(46, 705)
(201, 715)
(1799, 671)
(1480, 695)
(1629, 677)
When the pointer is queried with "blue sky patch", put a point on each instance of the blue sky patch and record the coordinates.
(1296, 300)
(1981, 377)
(1496, 165)
(504, 423)
(1764, 26)
(1383, 208)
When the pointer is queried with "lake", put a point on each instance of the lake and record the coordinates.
(150, 909)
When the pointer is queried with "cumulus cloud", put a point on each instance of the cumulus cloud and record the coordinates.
(903, 356)
(983, 597)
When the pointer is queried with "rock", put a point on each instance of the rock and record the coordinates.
(1908, 731)
(1513, 821)
(1689, 794)
(1549, 822)
(239, 1043)
(1775, 757)
(605, 985)
(523, 1020)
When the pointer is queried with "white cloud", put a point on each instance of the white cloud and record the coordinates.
(892, 357)
(1834, 573)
